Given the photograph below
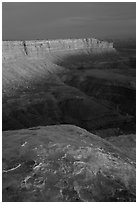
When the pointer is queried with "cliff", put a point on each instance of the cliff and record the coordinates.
(39, 48)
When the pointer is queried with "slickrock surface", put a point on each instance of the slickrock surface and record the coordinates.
(64, 163)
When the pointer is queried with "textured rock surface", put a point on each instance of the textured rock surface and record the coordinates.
(64, 163)
(127, 143)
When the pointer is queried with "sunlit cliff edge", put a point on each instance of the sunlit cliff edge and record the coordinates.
(31, 60)
(39, 48)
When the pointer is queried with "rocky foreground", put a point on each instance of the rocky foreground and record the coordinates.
(65, 163)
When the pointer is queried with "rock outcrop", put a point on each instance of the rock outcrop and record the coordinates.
(64, 163)
(40, 48)
(26, 61)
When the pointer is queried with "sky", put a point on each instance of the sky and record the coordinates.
(61, 20)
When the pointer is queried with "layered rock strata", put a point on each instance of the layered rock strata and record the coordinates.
(39, 48)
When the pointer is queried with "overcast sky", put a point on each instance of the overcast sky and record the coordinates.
(67, 20)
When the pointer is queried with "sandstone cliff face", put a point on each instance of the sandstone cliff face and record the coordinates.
(24, 61)
(39, 48)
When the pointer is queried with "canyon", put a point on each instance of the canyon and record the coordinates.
(73, 100)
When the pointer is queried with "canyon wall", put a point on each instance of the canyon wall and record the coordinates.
(40, 48)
